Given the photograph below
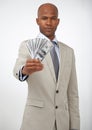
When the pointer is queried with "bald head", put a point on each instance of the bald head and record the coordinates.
(48, 19)
(49, 7)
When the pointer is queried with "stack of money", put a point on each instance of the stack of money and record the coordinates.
(38, 48)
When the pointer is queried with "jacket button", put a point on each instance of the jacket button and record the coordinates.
(57, 91)
(56, 107)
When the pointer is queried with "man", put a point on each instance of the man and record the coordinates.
(52, 103)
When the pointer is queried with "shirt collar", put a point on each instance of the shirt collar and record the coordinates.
(40, 35)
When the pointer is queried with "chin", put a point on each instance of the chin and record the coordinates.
(48, 35)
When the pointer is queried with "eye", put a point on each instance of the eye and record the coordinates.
(54, 18)
(44, 18)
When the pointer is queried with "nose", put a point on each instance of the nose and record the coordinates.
(48, 21)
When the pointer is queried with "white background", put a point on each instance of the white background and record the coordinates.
(17, 23)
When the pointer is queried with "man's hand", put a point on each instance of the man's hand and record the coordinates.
(32, 66)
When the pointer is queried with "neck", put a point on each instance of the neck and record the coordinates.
(51, 38)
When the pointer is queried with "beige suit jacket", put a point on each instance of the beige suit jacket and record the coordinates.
(44, 103)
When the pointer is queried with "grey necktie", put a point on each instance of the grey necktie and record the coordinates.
(55, 59)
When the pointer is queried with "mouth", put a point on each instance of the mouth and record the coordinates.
(48, 29)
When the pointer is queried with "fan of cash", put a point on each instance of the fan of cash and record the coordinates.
(38, 48)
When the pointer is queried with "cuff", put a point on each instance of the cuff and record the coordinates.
(22, 77)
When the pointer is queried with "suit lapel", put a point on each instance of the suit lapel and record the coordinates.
(62, 61)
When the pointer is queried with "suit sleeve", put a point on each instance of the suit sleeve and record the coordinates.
(73, 98)
(23, 55)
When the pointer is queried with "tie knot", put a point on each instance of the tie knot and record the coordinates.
(54, 43)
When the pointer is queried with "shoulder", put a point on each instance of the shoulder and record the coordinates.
(23, 49)
(61, 44)
(69, 50)
(23, 43)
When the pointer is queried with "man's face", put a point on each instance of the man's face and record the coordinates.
(48, 21)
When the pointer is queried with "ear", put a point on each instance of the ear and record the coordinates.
(37, 21)
(58, 21)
